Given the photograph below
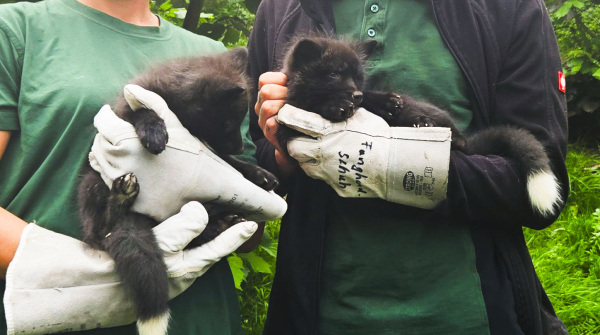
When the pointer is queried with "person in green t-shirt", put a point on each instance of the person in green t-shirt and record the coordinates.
(60, 62)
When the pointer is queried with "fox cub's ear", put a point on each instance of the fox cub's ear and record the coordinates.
(239, 58)
(306, 51)
(365, 48)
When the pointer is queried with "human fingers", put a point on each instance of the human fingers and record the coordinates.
(270, 98)
(111, 127)
(176, 232)
(138, 97)
(271, 86)
(270, 92)
(267, 121)
(272, 77)
(224, 244)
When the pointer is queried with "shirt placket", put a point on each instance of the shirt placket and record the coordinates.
(373, 24)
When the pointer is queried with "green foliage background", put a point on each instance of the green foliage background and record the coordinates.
(577, 25)
(228, 21)
(567, 254)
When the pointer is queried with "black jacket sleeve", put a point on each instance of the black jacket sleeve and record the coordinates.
(522, 69)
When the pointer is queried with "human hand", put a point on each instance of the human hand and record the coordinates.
(185, 171)
(272, 94)
(365, 157)
(39, 298)
(185, 265)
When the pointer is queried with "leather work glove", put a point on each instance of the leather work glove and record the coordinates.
(187, 170)
(365, 157)
(56, 283)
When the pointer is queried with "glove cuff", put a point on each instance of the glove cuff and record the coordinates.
(56, 283)
(11, 281)
(417, 173)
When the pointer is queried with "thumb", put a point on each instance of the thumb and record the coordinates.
(224, 244)
(180, 229)
(111, 127)
(308, 123)
(138, 97)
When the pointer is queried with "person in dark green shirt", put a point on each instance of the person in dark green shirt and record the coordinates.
(60, 61)
(350, 265)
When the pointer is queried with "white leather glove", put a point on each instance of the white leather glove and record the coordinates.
(365, 157)
(185, 171)
(56, 283)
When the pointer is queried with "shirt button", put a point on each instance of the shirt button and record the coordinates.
(371, 32)
(374, 8)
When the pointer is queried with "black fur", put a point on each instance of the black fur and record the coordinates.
(326, 76)
(209, 95)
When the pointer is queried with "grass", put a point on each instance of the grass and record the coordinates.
(566, 255)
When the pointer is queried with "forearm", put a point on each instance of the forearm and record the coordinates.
(527, 96)
(11, 228)
(4, 137)
(491, 191)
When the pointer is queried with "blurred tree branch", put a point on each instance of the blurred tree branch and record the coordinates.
(192, 18)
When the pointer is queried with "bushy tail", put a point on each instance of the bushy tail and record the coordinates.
(542, 186)
(139, 263)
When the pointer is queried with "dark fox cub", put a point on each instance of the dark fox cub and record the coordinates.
(326, 76)
(209, 95)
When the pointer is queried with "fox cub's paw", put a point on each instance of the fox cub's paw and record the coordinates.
(338, 109)
(262, 178)
(217, 224)
(126, 187)
(155, 137)
(152, 131)
(387, 105)
(423, 121)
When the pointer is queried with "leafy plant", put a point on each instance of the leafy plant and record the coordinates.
(174, 12)
(258, 260)
(255, 286)
(228, 21)
(577, 26)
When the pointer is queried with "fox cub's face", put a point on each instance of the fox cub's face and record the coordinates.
(216, 114)
(325, 76)
(212, 99)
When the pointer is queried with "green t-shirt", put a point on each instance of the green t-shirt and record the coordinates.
(386, 268)
(60, 61)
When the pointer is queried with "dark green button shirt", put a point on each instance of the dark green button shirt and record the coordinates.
(386, 268)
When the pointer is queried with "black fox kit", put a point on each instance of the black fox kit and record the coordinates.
(326, 76)
(209, 95)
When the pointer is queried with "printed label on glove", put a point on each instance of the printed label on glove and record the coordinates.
(418, 173)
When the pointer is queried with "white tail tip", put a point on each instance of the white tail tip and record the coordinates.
(544, 192)
(157, 325)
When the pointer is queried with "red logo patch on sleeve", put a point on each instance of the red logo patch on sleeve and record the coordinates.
(562, 82)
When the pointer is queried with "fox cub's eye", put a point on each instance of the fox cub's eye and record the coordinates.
(333, 74)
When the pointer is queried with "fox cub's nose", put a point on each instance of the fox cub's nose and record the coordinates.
(357, 97)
